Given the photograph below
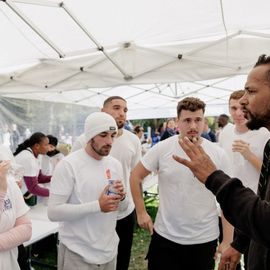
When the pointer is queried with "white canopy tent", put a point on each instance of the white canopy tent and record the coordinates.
(151, 52)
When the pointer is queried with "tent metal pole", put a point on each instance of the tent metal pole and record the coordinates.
(93, 94)
(152, 92)
(63, 80)
(12, 77)
(99, 46)
(256, 34)
(38, 3)
(34, 28)
(192, 92)
(98, 62)
(7, 81)
(155, 68)
(213, 43)
(209, 62)
(176, 89)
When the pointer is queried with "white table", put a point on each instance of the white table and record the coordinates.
(42, 227)
(40, 230)
(39, 212)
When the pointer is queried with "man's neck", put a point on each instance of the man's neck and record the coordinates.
(89, 150)
(241, 128)
(120, 132)
(35, 152)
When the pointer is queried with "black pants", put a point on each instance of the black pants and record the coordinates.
(22, 258)
(124, 229)
(165, 254)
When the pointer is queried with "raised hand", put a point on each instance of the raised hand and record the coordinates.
(200, 163)
(242, 148)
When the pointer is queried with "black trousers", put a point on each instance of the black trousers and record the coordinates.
(124, 229)
(165, 254)
(22, 258)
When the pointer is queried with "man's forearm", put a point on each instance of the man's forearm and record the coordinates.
(241, 206)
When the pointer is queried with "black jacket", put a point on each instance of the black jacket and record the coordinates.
(247, 213)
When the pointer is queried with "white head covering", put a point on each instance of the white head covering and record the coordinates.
(98, 122)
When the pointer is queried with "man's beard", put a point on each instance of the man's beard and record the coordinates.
(256, 122)
(100, 151)
(120, 125)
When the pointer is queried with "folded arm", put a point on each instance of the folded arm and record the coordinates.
(20, 233)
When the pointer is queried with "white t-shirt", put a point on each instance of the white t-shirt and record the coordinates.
(48, 163)
(6, 154)
(83, 179)
(79, 143)
(127, 149)
(227, 129)
(187, 211)
(14, 207)
(30, 163)
(241, 167)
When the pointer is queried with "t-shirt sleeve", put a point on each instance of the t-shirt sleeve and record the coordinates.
(225, 163)
(29, 163)
(138, 153)
(20, 207)
(62, 181)
(151, 159)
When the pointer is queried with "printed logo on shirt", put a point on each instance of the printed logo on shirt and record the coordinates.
(7, 205)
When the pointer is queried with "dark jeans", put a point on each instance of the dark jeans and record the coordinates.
(165, 254)
(22, 258)
(124, 229)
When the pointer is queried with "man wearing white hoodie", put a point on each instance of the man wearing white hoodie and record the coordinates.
(81, 201)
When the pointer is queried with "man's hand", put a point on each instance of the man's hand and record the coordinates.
(108, 203)
(145, 222)
(229, 259)
(118, 185)
(242, 148)
(222, 247)
(200, 163)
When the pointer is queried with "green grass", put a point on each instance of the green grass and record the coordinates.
(139, 248)
(142, 238)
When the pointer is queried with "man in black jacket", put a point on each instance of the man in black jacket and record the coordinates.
(249, 213)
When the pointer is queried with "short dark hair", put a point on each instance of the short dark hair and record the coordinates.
(190, 104)
(137, 129)
(224, 116)
(109, 99)
(237, 94)
(264, 60)
(52, 140)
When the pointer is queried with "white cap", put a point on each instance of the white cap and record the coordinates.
(98, 122)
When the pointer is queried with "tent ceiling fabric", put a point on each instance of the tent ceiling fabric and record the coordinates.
(152, 52)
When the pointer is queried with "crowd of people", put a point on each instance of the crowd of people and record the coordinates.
(95, 191)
